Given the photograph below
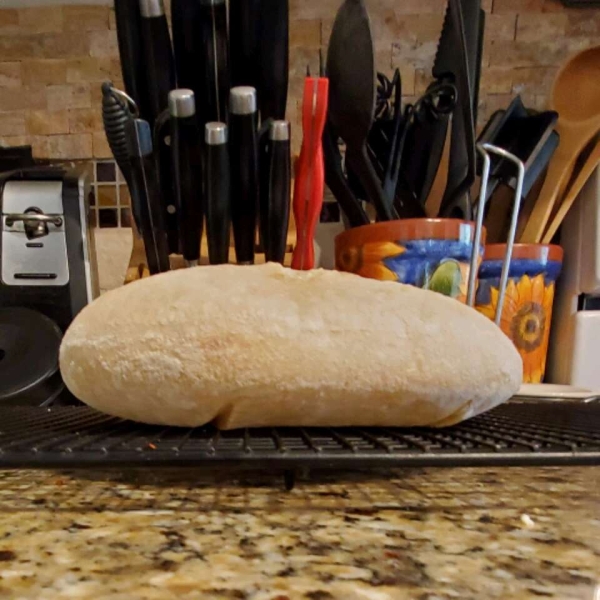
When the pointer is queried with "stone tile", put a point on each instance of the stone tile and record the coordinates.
(584, 23)
(528, 54)
(47, 71)
(22, 98)
(84, 120)
(301, 9)
(101, 149)
(305, 33)
(500, 27)
(18, 47)
(414, 54)
(497, 80)
(555, 6)
(43, 122)
(91, 69)
(518, 6)
(68, 96)
(419, 7)
(10, 74)
(61, 45)
(12, 123)
(86, 18)
(104, 43)
(490, 103)
(40, 19)
(15, 140)
(9, 21)
(533, 80)
(69, 146)
(533, 27)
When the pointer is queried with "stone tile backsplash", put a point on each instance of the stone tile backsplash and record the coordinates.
(53, 59)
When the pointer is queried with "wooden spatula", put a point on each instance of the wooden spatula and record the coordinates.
(576, 97)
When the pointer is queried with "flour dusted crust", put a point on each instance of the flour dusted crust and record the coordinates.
(268, 346)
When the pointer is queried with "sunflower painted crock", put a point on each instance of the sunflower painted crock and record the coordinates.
(430, 253)
(527, 310)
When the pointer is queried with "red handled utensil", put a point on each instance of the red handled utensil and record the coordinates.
(310, 171)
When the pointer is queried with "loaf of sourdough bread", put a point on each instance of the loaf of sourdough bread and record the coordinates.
(267, 346)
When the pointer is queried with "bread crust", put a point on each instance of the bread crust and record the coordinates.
(268, 346)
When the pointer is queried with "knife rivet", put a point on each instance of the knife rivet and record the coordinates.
(171, 209)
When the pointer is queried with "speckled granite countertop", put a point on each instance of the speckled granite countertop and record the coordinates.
(423, 534)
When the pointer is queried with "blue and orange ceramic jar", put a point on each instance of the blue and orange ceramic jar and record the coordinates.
(527, 309)
(433, 254)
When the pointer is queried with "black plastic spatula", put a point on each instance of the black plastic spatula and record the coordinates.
(352, 95)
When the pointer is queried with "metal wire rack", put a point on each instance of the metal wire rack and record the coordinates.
(518, 433)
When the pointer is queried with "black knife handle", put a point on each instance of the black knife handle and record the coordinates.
(164, 168)
(146, 202)
(244, 19)
(158, 56)
(264, 166)
(186, 43)
(214, 60)
(217, 186)
(128, 20)
(244, 171)
(187, 171)
(280, 180)
(337, 182)
(273, 49)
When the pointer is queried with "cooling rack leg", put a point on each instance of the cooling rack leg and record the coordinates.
(289, 479)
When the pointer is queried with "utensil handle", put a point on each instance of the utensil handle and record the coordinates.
(573, 191)
(337, 182)
(244, 17)
(218, 202)
(187, 169)
(146, 203)
(308, 200)
(559, 169)
(164, 169)
(358, 159)
(128, 20)
(274, 58)
(186, 44)
(159, 63)
(280, 178)
(215, 60)
(244, 184)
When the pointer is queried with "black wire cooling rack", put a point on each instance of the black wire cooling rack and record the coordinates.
(517, 433)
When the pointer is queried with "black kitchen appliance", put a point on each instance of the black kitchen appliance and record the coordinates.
(47, 275)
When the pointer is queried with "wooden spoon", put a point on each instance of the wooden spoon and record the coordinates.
(584, 174)
(576, 97)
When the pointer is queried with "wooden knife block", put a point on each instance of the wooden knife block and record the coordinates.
(138, 267)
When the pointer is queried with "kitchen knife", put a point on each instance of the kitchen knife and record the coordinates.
(279, 183)
(244, 19)
(187, 45)
(244, 170)
(187, 171)
(164, 168)
(139, 143)
(273, 50)
(158, 56)
(129, 25)
(217, 187)
(212, 31)
(309, 185)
